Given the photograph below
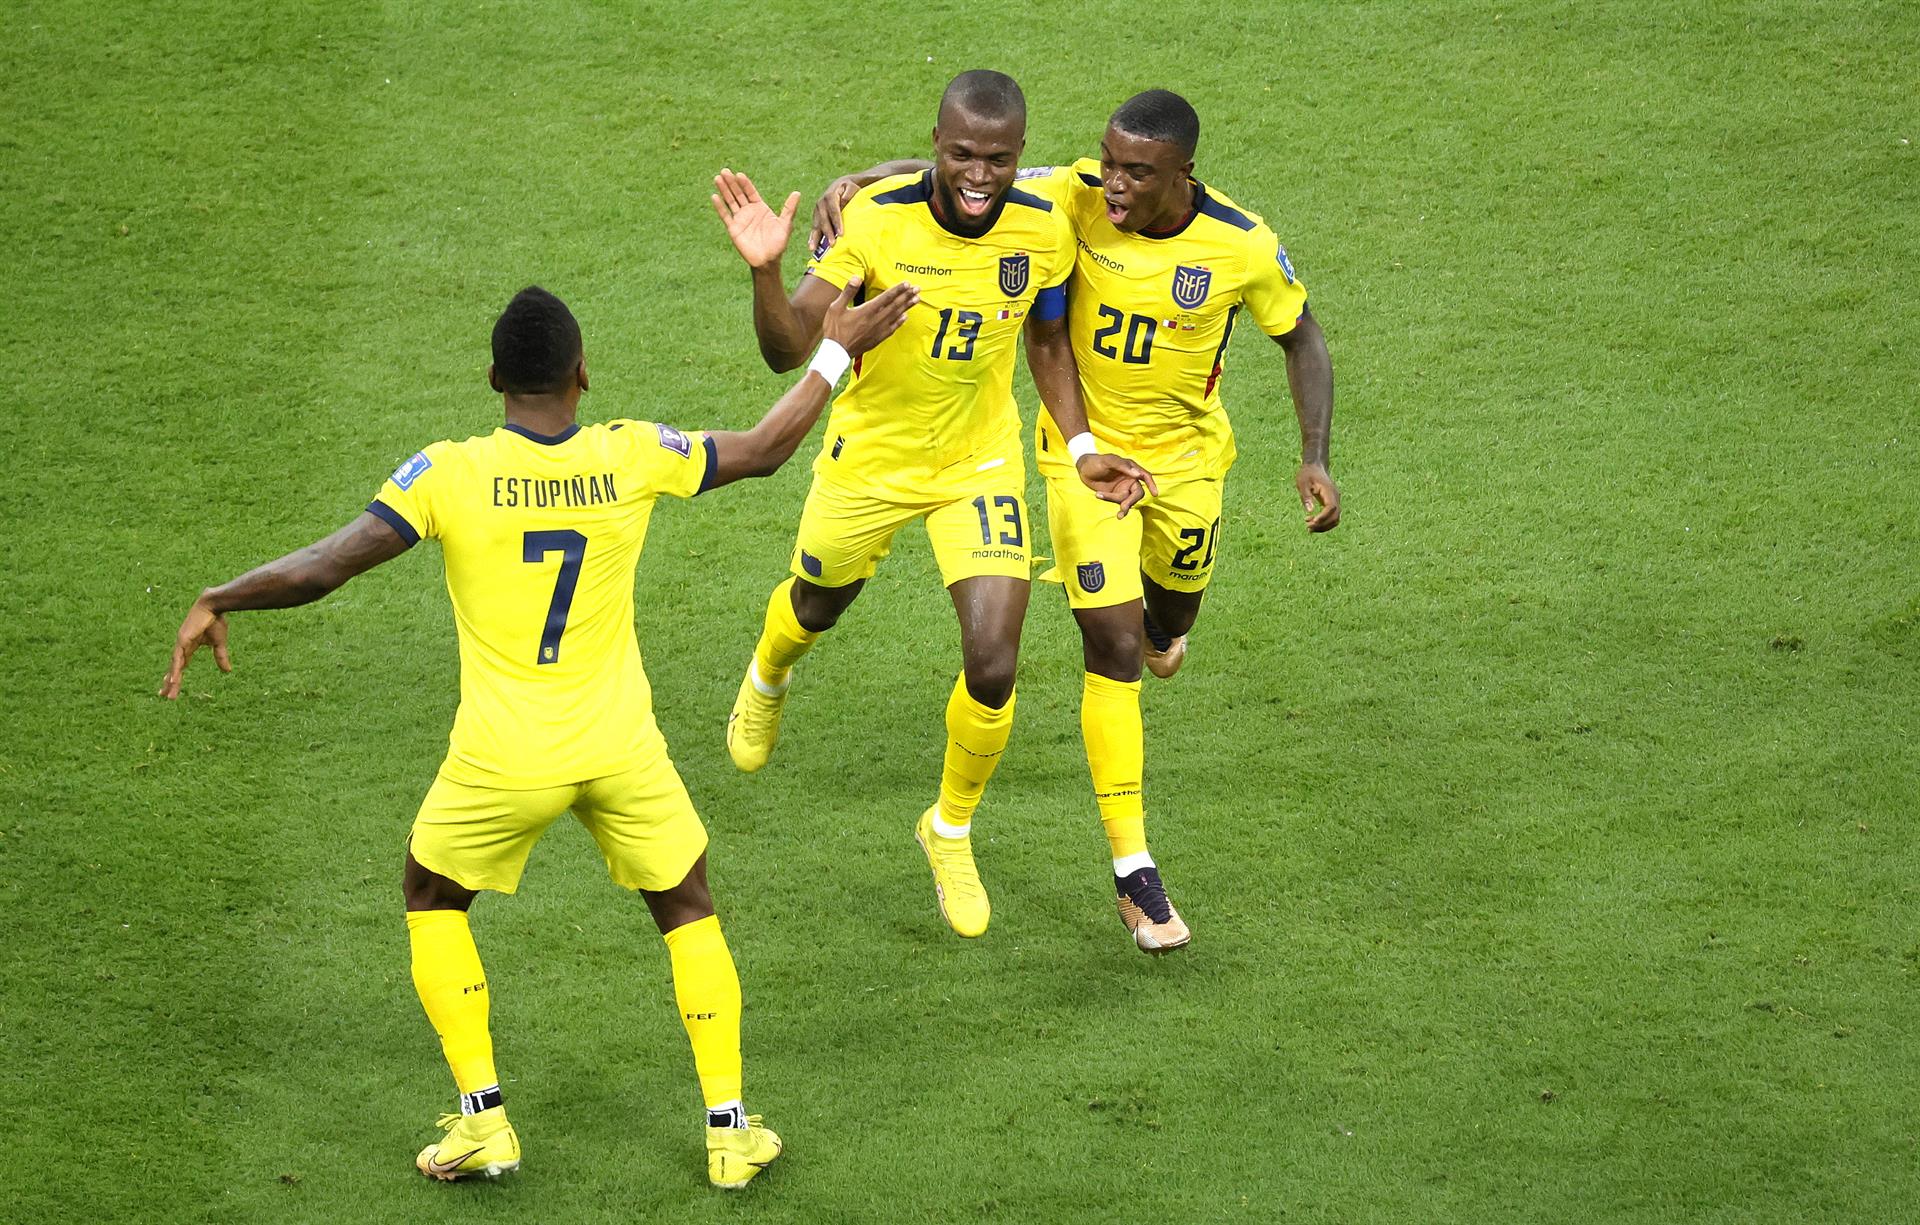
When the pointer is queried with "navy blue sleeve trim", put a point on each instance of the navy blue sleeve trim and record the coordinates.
(1016, 196)
(1091, 180)
(713, 465)
(1050, 303)
(395, 520)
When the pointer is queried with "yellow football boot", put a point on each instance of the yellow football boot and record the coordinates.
(483, 1143)
(956, 882)
(735, 1155)
(754, 725)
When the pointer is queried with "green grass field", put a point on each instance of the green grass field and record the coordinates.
(1547, 830)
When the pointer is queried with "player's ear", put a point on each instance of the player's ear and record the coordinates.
(493, 380)
(580, 374)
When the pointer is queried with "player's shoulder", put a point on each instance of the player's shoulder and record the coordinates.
(633, 435)
(894, 190)
(1219, 209)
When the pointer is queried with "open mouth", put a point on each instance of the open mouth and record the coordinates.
(1116, 212)
(974, 203)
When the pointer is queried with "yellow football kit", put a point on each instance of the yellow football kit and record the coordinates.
(1150, 316)
(928, 426)
(541, 536)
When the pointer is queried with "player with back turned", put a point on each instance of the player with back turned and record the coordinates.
(929, 430)
(1166, 265)
(541, 524)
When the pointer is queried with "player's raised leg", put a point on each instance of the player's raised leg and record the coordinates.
(452, 986)
(798, 612)
(1168, 618)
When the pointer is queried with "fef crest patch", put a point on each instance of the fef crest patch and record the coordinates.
(1190, 286)
(1092, 576)
(673, 440)
(1013, 274)
(810, 563)
(406, 474)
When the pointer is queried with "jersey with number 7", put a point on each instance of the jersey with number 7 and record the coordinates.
(541, 537)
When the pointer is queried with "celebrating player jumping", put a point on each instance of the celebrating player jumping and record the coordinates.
(1165, 265)
(541, 524)
(927, 430)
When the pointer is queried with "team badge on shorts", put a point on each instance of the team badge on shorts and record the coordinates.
(1013, 274)
(1092, 576)
(810, 563)
(1190, 286)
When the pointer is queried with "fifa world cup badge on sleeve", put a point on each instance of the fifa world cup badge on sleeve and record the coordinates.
(1286, 265)
(673, 440)
(406, 474)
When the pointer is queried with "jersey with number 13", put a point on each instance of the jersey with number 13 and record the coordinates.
(541, 537)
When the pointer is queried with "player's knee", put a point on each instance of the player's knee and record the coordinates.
(818, 609)
(1113, 652)
(990, 681)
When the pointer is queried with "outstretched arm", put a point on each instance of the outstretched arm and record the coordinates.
(787, 328)
(825, 230)
(301, 577)
(1310, 379)
(1057, 377)
(854, 329)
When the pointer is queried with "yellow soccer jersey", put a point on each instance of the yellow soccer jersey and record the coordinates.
(1150, 317)
(541, 536)
(933, 400)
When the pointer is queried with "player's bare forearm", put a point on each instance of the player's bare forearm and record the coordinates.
(761, 450)
(1056, 376)
(305, 575)
(1310, 380)
(784, 341)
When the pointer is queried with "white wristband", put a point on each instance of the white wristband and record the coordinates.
(1081, 445)
(830, 361)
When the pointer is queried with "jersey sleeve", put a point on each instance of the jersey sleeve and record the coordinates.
(1047, 182)
(408, 501)
(1063, 248)
(1273, 294)
(664, 460)
(851, 255)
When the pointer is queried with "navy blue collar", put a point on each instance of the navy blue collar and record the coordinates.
(545, 440)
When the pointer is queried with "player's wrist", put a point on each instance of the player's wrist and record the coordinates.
(830, 361)
(1081, 445)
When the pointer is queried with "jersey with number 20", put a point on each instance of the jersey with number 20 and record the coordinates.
(541, 536)
(1150, 317)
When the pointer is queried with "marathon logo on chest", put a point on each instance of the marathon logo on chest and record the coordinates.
(1190, 286)
(406, 474)
(673, 440)
(1013, 274)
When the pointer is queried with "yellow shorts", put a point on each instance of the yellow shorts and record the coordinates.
(642, 818)
(981, 530)
(1170, 538)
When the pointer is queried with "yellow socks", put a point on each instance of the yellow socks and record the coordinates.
(708, 991)
(782, 640)
(453, 989)
(1116, 756)
(976, 736)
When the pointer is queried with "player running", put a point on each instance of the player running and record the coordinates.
(928, 429)
(1165, 266)
(541, 524)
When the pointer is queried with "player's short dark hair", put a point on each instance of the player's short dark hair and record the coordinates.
(1160, 114)
(536, 344)
(985, 94)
